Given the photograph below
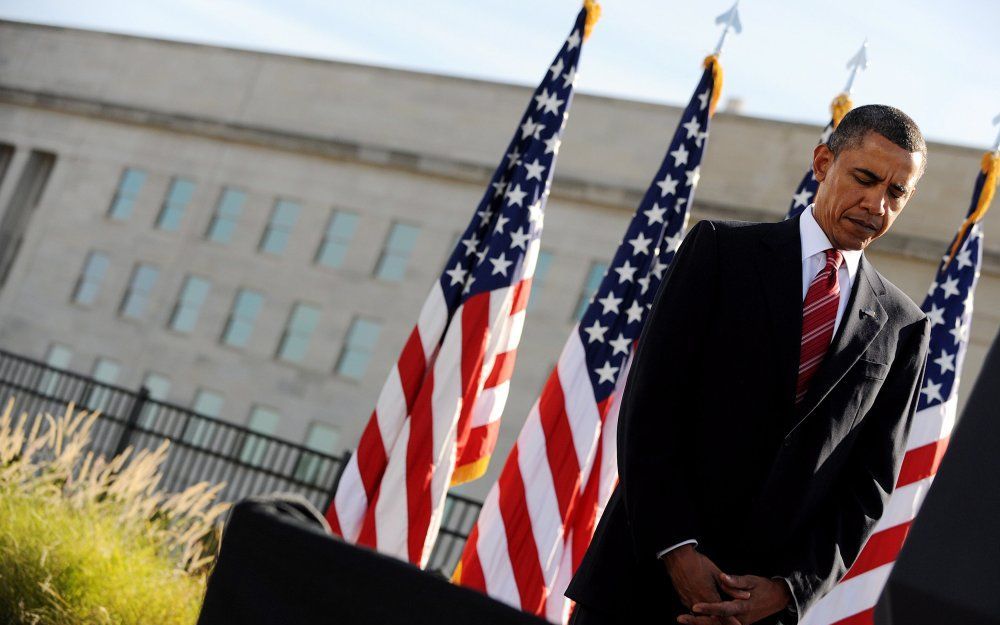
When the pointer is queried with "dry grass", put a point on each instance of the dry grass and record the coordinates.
(87, 540)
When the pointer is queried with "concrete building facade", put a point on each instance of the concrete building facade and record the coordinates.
(254, 234)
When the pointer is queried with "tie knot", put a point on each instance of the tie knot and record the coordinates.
(834, 258)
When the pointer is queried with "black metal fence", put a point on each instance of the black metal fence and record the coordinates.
(202, 448)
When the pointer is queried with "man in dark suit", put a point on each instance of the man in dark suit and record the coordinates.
(765, 416)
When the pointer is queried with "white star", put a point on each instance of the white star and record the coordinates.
(634, 312)
(499, 188)
(457, 274)
(626, 273)
(484, 216)
(620, 344)
(826, 134)
(573, 40)
(569, 78)
(802, 198)
(549, 102)
(932, 391)
(480, 255)
(700, 138)
(470, 245)
(640, 244)
(557, 67)
(933, 287)
(959, 331)
(703, 97)
(520, 238)
(667, 186)
(515, 196)
(468, 285)
(680, 155)
(606, 373)
(501, 223)
(610, 303)
(528, 127)
(500, 265)
(674, 242)
(535, 212)
(681, 201)
(693, 127)
(658, 269)
(654, 215)
(644, 283)
(950, 287)
(964, 259)
(552, 144)
(596, 332)
(535, 170)
(946, 361)
(513, 156)
(936, 315)
(693, 176)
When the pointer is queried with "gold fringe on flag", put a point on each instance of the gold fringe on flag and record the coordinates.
(990, 167)
(713, 61)
(593, 14)
(840, 106)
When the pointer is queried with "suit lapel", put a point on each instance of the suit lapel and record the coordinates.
(780, 269)
(862, 321)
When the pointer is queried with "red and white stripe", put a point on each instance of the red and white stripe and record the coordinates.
(538, 519)
(440, 404)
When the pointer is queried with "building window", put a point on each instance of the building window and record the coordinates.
(242, 318)
(313, 467)
(396, 255)
(58, 357)
(279, 227)
(336, 239)
(358, 348)
(542, 266)
(295, 340)
(206, 404)
(105, 371)
(177, 200)
(21, 207)
(139, 289)
(189, 303)
(158, 387)
(262, 421)
(593, 282)
(128, 190)
(89, 283)
(227, 213)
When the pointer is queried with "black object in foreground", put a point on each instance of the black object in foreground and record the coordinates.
(279, 565)
(948, 570)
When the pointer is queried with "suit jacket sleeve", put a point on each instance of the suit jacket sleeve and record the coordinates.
(654, 430)
(863, 489)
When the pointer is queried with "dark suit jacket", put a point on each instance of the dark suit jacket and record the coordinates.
(711, 445)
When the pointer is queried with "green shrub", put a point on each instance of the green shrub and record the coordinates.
(84, 540)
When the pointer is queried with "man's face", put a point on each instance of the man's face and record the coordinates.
(863, 190)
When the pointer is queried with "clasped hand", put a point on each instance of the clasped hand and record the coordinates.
(699, 582)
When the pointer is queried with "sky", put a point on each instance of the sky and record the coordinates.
(938, 61)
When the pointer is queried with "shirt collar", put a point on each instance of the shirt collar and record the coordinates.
(815, 241)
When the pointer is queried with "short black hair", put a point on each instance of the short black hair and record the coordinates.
(888, 121)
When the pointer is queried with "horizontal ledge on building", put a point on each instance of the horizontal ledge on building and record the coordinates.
(609, 196)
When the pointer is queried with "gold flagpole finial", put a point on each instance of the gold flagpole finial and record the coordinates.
(593, 14)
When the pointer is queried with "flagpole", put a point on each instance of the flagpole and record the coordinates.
(857, 64)
(731, 19)
(996, 144)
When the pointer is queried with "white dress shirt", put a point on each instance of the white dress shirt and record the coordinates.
(814, 246)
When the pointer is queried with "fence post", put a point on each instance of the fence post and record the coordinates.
(128, 428)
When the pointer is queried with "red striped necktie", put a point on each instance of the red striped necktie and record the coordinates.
(819, 314)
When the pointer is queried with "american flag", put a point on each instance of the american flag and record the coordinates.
(538, 519)
(948, 305)
(436, 419)
(806, 190)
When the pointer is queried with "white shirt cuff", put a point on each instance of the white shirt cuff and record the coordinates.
(669, 549)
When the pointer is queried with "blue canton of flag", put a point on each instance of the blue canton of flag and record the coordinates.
(948, 305)
(806, 190)
(509, 217)
(613, 320)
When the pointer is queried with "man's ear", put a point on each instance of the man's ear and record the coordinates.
(822, 160)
